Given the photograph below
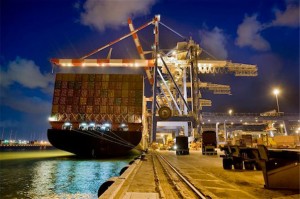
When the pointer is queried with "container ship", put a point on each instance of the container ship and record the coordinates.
(96, 115)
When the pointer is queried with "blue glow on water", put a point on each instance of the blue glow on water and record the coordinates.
(56, 177)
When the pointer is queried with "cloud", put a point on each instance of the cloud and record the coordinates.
(23, 103)
(102, 14)
(27, 74)
(288, 17)
(214, 42)
(249, 34)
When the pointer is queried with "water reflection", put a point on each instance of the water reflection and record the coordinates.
(56, 177)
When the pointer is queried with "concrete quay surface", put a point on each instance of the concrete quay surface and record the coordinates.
(148, 179)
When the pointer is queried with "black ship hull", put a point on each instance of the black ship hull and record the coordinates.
(93, 143)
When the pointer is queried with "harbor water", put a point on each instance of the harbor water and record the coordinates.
(55, 174)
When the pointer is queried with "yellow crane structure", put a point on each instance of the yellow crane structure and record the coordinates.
(175, 76)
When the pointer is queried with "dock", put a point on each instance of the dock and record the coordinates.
(163, 174)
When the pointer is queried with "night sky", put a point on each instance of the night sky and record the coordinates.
(260, 32)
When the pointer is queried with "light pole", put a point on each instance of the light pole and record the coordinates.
(276, 92)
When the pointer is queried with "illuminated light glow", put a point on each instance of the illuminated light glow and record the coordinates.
(175, 147)
(67, 124)
(106, 124)
(52, 118)
(92, 124)
(276, 91)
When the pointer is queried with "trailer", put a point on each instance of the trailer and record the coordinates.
(209, 143)
(182, 145)
(240, 158)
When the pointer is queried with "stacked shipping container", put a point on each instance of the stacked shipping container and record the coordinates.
(114, 98)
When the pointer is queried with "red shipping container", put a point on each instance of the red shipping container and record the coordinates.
(97, 85)
(89, 109)
(64, 84)
(110, 109)
(117, 110)
(96, 109)
(84, 93)
(76, 101)
(70, 92)
(111, 101)
(82, 109)
(91, 93)
(90, 101)
(62, 101)
(84, 85)
(69, 109)
(125, 101)
(97, 93)
(97, 101)
(69, 100)
(61, 108)
(75, 109)
(57, 92)
(55, 100)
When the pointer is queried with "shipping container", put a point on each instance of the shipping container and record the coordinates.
(98, 97)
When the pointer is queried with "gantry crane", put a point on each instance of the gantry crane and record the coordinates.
(175, 76)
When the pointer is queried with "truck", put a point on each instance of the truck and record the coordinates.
(209, 143)
(182, 145)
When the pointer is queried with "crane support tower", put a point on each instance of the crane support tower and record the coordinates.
(175, 75)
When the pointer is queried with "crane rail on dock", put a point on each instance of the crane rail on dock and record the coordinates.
(181, 185)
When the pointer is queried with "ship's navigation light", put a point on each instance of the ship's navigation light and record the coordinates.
(83, 126)
(91, 126)
(67, 126)
(106, 127)
(107, 124)
(123, 127)
(52, 119)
